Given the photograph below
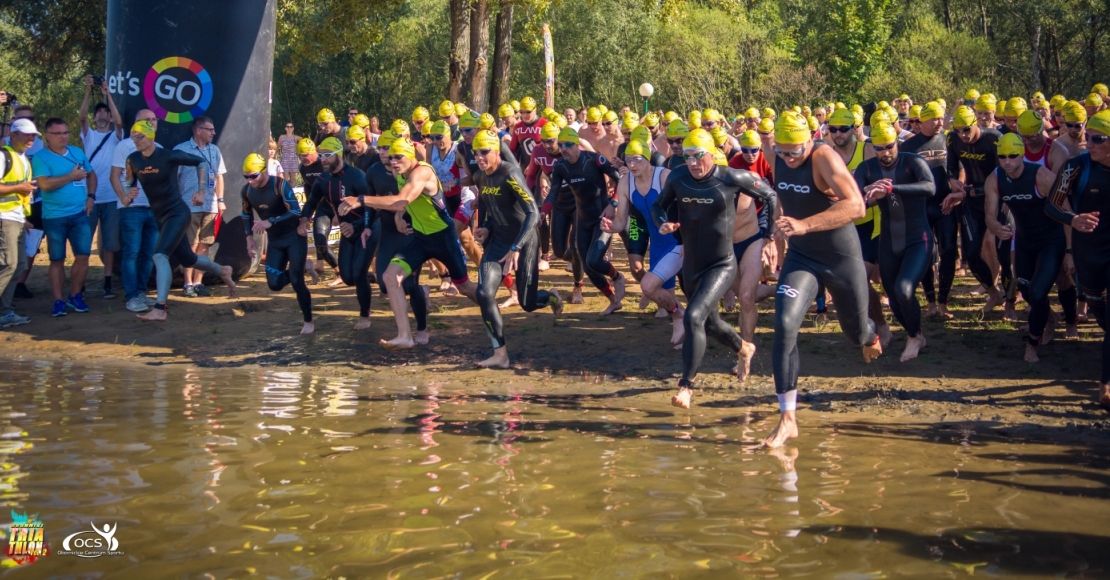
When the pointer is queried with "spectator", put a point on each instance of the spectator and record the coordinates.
(68, 188)
(99, 141)
(137, 227)
(350, 122)
(273, 166)
(34, 235)
(572, 118)
(26, 112)
(287, 146)
(375, 127)
(15, 202)
(205, 200)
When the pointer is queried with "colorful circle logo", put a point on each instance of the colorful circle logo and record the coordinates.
(177, 89)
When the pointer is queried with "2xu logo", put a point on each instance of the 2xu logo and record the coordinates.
(92, 543)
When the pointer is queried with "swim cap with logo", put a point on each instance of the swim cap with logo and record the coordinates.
(1010, 144)
(253, 163)
(791, 129)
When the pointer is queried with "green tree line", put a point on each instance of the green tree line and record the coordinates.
(387, 56)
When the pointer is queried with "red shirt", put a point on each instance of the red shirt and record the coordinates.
(524, 139)
(760, 167)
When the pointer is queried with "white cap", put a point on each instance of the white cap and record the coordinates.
(25, 126)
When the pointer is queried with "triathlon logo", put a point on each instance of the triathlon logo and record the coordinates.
(26, 541)
(92, 543)
(177, 89)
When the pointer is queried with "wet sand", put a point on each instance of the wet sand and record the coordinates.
(971, 374)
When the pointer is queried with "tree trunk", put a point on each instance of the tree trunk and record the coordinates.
(477, 80)
(947, 15)
(460, 48)
(1035, 57)
(502, 52)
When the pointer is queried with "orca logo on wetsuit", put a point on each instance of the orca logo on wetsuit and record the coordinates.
(1018, 197)
(700, 200)
(793, 187)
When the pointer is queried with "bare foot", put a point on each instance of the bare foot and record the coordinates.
(314, 275)
(747, 353)
(445, 285)
(308, 328)
(1010, 312)
(421, 337)
(153, 315)
(225, 275)
(336, 282)
(885, 335)
(682, 399)
(556, 302)
(576, 295)
(978, 290)
(615, 300)
(729, 301)
(1031, 354)
(397, 343)
(499, 360)
(451, 290)
(363, 323)
(914, 344)
(820, 319)
(786, 429)
(1049, 330)
(1072, 331)
(644, 301)
(678, 328)
(544, 265)
(944, 314)
(994, 299)
(511, 300)
(872, 351)
(660, 313)
(931, 310)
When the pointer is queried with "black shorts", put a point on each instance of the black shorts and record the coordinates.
(867, 244)
(443, 246)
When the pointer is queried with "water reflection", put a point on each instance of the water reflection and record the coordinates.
(290, 474)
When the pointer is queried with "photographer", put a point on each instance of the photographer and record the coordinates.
(99, 141)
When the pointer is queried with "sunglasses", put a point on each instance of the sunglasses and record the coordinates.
(354, 141)
(634, 159)
(251, 176)
(607, 123)
(752, 120)
(839, 129)
(1074, 125)
(1012, 156)
(791, 154)
(288, 126)
(483, 152)
(566, 145)
(1098, 139)
(327, 154)
(710, 124)
(436, 137)
(467, 130)
(396, 157)
(677, 142)
(695, 156)
(749, 150)
(884, 147)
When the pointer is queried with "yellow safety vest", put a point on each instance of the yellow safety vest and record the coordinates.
(18, 171)
(872, 215)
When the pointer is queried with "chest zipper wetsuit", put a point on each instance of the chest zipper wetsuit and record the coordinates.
(286, 250)
(935, 153)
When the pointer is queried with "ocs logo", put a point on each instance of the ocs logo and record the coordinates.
(92, 543)
(177, 89)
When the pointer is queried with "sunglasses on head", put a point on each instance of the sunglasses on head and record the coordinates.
(1098, 139)
(1011, 156)
(884, 147)
(251, 176)
(839, 129)
(749, 150)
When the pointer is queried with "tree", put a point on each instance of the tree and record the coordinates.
(458, 58)
(502, 55)
(476, 80)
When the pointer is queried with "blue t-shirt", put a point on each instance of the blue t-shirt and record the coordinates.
(69, 198)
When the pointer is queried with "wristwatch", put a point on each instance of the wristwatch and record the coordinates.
(613, 202)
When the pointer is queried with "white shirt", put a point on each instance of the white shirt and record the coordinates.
(102, 163)
(273, 167)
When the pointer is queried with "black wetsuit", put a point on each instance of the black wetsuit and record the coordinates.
(934, 151)
(674, 162)
(832, 258)
(586, 178)
(286, 250)
(380, 182)
(1086, 185)
(706, 212)
(507, 210)
(905, 242)
(560, 206)
(1039, 241)
(321, 226)
(354, 256)
(362, 162)
(978, 160)
(158, 176)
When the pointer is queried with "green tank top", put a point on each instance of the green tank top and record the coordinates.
(428, 212)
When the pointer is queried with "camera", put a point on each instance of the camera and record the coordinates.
(97, 81)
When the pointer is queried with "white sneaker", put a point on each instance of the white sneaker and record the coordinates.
(12, 319)
(137, 304)
(544, 265)
(149, 300)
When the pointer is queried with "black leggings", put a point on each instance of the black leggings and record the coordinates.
(592, 244)
(321, 227)
(390, 245)
(1038, 265)
(705, 290)
(543, 229)
(171, 240)
(354, 266)
(974, 228)
(490, 274)
(285, 256)
(944, 235)
(1094, 279)
(562, 224)
(900, 273)
(846, 280)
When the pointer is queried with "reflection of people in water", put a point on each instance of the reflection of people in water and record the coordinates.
(787, 457)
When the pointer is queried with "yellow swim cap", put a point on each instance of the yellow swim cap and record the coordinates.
(486, 121)
(694, 118)
(354, 132)
(568, 135)
(943, 103)
(1001, 111)
(806, 111)
(766, 125)
(883, 105)
(1057, 101)
(527, 104)
(641, 133)
(768, 112)
(915, 112)
(719, 158)
(883, 134)
(630, 125)
(651, 120)
(603, 109)
(711, 115)
(1037, 97)
(548, 112)
(813, 123)
(400, 128)
(440, 128)
(1015, 107)
(144, 128)
(305, 146)
(403, 147)
(1030, 123)
(460, 109)
(971, 95)
(1100, 123)
(1101, 89)
(469, 120)
(610, 116)
(486, 140)
(677, 130)
(670, 117)
(362, 120)
(330, 144)
(631, 116)
(1010, 144)
(560, 120)
(749, 139)
(253, 163)
(791, 129)
(839, 105)
(593, 115)
(505, 110)
(325, 115)
(386, 139)
(1093, 100)
(751, 113)
(1074, 112)
(636, 147)
(842, 118)
(880, 116)
(931, 110)
(985, 105)
(699, 139)
(964, 117)
(720, 137)
(419, 115)
(549, 131)
(516, 105)
(446, 108)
